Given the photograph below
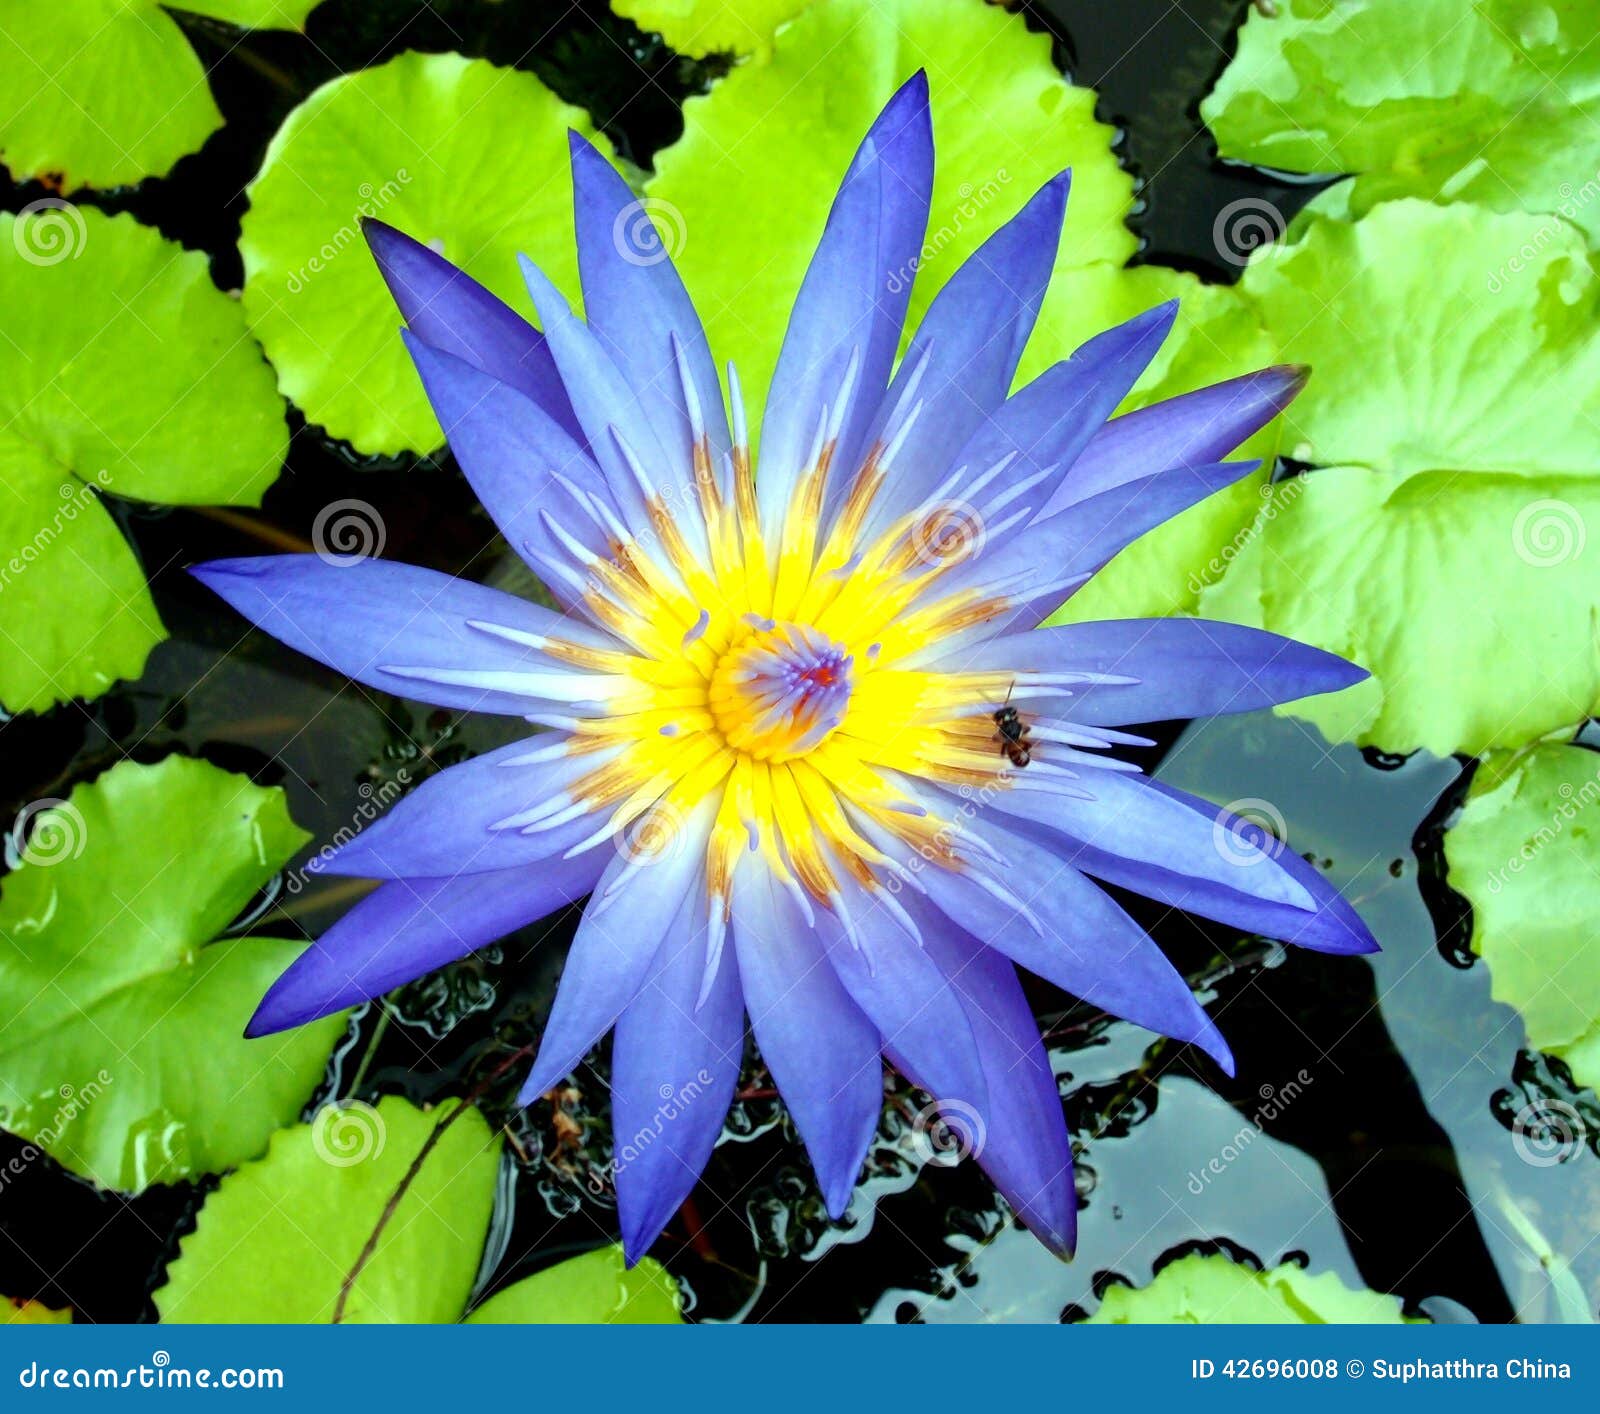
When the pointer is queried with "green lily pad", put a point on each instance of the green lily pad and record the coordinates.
(745, 192)
(104, 93)
(1217, 336)
(1496, 102)
(122, 1052)
(75, 611)
(278, 1239)
(456, 152)
(18, 1312)
(1439, 337)
(1469, 597)
(1525, 852)
(701, 27)
(124, 370)
(593, 1290)
(1211, 1290)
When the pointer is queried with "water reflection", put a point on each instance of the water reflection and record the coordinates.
(1394, 1164)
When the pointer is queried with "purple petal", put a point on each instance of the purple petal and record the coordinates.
(853, 299)
(615, 945)
(965, 353)
(918, 1013)
(1145, 836)
(1196, 429)
(1020, 1135)
(368, 618)
(1151, 835)
(1081, 539)
(822, 1051)
(608, 407)
(1335, 927)
(674, 1064)
(1184, 667)
(447, 824)
(411, 926)
(637, 306)
(1083, 942)
(516, 457)
(1049, 422)
(447, 308)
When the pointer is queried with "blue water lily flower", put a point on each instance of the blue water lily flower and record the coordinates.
(801, 740)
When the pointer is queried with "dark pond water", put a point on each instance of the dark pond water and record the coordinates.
(1390, 1162)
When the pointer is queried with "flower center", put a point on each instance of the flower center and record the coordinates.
(779, 690)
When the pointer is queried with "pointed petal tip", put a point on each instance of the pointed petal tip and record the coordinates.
(907, 107)
(1348, 673)
(534, 1087)
(214, 574)
(1348, 935)
(915, 88)
(642, 1221)
(582, 149)
(1052, 195)
(1208, 1038)
(272, 1016)
(380, 232)
(1222, 1054)
(1063, 1246)
(1363, 944)
(636, 1244)
(1164, 314)
(836, 1197)
(1058, 1232)
(420, 349)
(548, 302)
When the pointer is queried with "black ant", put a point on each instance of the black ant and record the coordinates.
(1013, 733)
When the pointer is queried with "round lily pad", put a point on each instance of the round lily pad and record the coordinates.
(1469, 596)
(122, 1050)
(1204, 1290)
(1493, 102)
(1440, 338)
(104, 93)
(1217, 336)
(124, 371)
(748, 186)
(1526, 852)
(470, 158)
(280, 1239)
(595, 1289)
(701, 27)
